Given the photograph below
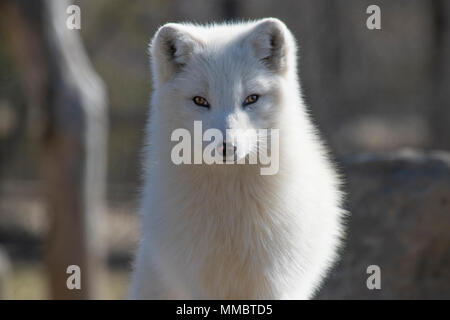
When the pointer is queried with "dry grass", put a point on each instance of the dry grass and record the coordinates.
(30, 282)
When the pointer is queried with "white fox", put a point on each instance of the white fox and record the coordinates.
(225, 231)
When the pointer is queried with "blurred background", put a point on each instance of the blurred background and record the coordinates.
(73, 105)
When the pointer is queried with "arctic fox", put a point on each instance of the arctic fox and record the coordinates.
(226, 231)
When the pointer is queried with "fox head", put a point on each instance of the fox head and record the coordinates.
(232, 78)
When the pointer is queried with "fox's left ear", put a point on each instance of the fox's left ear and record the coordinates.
(269, 41)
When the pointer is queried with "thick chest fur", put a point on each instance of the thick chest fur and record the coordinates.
(227, 239)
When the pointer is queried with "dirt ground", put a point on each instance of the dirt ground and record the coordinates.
(30, 282)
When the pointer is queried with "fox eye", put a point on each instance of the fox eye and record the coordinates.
(200, 101)
(251, 99)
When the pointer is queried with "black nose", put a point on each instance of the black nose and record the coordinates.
(228, 148)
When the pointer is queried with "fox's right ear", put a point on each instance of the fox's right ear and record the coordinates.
(170, 50)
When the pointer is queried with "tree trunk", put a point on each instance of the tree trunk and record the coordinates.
(69, 107)
(438, 98)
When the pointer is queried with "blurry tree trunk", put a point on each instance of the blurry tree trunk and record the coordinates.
(68, 102)
(439, 99)
(5, 267)
(320, 63)
(230, 9)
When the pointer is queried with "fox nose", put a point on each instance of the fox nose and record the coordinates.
(227, 149)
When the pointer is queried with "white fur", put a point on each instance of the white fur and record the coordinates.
(225, 231)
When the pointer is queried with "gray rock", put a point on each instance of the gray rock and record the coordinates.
(400, 221)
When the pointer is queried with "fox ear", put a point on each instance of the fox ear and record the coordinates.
(268, 40)
(170, 51)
